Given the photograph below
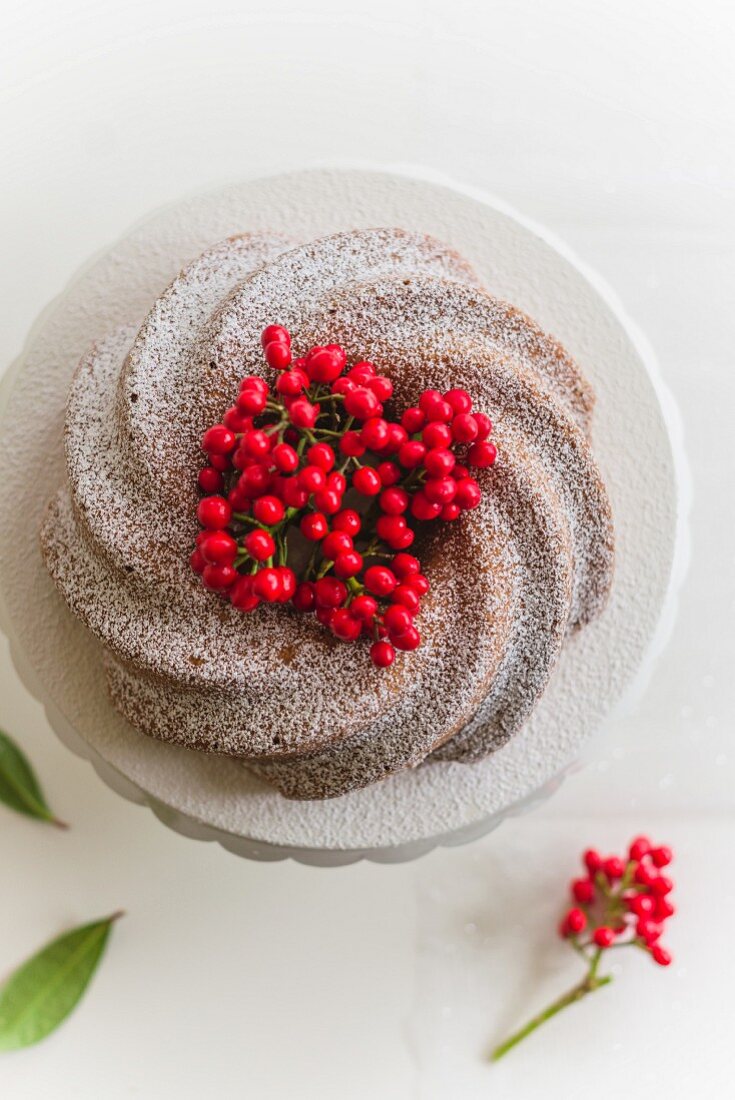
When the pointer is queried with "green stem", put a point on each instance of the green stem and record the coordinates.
(589, 984)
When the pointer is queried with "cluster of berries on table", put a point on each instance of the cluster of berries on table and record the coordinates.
(314, 493)
(617, 903)
(622, 901)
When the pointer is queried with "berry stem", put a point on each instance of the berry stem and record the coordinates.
(588, 984)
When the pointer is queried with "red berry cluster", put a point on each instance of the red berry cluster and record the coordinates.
(618, 903)
(313, 492)
(622, 901)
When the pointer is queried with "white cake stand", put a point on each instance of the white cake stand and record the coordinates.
(637, 441)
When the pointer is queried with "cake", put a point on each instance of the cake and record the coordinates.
(509, 582)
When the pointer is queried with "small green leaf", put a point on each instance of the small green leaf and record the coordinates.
(42, 992)
(19, 787)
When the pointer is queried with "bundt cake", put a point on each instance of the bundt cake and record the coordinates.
(509, 580)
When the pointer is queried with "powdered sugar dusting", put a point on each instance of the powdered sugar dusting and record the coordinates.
(310, 714)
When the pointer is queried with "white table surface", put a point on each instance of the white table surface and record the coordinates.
(612, 124)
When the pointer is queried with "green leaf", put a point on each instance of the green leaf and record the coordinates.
(42, 992)
(19, 787)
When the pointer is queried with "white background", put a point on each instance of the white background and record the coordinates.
(612, 124)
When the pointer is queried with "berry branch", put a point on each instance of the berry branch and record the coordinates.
(274, 488)
(619, 904)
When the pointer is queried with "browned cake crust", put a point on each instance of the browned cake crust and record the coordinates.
(308, 713)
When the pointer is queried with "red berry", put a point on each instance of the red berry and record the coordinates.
(644, 875)
(325, 615)
(642, 905)
(592, 860)
(482, 454)
(648, 930)
(254, 382)
(329, 501)
(409, 640)
(603, 936)
(321, 455)
(575, 922)
(303, 414)
(468, 493)
(450, 512)
(440, 490)
(484, 426)
(464, 428)
(345, 625)
(405, 565)
(382, 654)
(214, 512)
(304, 597)
(437, 436)
(293, 495)
(242, 595)
(343, 385)
(312, 479)
(397, 618)
(352, 445)
(285, 458)
(413, 420)
(418, 582)
(397, 436)
(291, 383)
(663, 909)
(218, 440)
(367, 481)
(613, 867)
(661, 857)
(197, 562)
(330, 592)
(379, 580)
(389, 474)
(348, 563)
(251, 402)
(277, 354)
(411, 454)
(267, 585)
(218, 577)
(375, 433)
(381, 386)
(424, 509)
(459, 400)
(409, 597)
(394, 501)
(639, 848)
(428, 399)
(314, 526)
(362, 373)
(439, 462)
(268, 510)
(255, 480)
(274, 332)
(259, 545)
(219, 548)
(337, 482)
(392, 529)
(584, 891)
(335, 544)
(237, 421)
(661, 956)
(325, 364)
(288, 582)
(364, 607)
(347, 521)
(210, 480)
(362, 404)
(661, 885)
